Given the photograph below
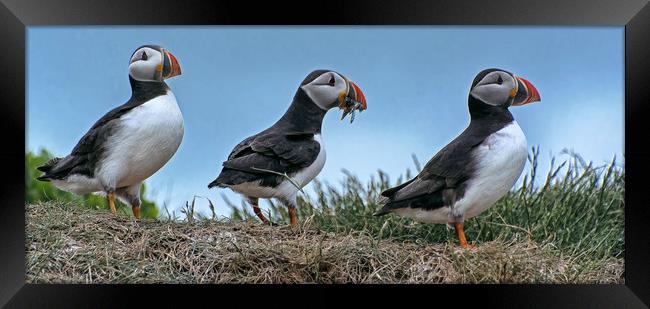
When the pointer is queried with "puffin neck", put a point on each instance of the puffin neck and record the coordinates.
(145, 91)
(302, 116)
(479, 111)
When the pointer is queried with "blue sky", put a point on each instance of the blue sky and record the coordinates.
(237, 81)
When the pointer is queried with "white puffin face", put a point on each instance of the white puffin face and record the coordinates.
(326, 89)
(497, 88)
(146, 64)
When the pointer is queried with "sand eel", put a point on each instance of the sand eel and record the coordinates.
(478, 167)
(132, 141)
(293, 146)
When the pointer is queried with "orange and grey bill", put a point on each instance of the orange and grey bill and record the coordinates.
(532, 95)
(175, 67)
(353, 100)
(359, 96)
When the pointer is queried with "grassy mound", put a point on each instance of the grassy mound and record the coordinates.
(578, 209)
(72, 244)
(567, 228)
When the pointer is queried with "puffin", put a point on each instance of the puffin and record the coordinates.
(129, 143)
(280, 160)
(473, 171)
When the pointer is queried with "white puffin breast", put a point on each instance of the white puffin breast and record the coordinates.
(306, 175)
(501, 159)
(147, 137)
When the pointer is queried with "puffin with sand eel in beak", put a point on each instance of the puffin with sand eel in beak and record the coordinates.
(279, 161)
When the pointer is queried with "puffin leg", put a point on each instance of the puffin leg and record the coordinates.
(111, 202)
(293, 214)
(258, 211)
(132, 196)
(461, 234)
(293, 217)
(136, 211)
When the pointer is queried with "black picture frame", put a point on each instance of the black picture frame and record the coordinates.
(17, 15)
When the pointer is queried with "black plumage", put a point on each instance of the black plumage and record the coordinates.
(478, 167)
(286, 147)
(279, 161)
(442, 181)
(90, 149)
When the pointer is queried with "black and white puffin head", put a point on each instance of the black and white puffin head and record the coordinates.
(153, 63)
(501, 88)
(329, 89)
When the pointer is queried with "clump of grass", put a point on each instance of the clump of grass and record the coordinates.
(37, 191)
(68, 243)
(577, 209)
(565, 228)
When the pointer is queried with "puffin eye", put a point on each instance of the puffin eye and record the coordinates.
(332, 81)
(499, 80)
(144, 56)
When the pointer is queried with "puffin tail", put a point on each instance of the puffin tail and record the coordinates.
(385, 209)
(46, 168)
(216, 183)
(386, 199)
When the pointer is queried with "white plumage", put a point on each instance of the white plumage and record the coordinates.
(146, 138)
(501, 159)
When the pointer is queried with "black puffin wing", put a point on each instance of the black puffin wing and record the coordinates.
(390, 191)
(454, 161)
(415, 188)
(242, 148)
(297, 149)
(448, 169)
(86, 153)
(103, 128)
(442, 181)
(282, 153)
(435, 186)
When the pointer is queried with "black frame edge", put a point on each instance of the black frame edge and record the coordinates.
(358, 12)
(637, 155)
(12, 86)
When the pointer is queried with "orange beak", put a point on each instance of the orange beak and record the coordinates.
(352, 101)
(171, 67)
(358, 96)
(526, 93)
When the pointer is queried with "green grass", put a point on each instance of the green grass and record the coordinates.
(578, 210)
(37, 191)
(566, 229)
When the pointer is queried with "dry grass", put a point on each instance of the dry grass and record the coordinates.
(71, 244)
